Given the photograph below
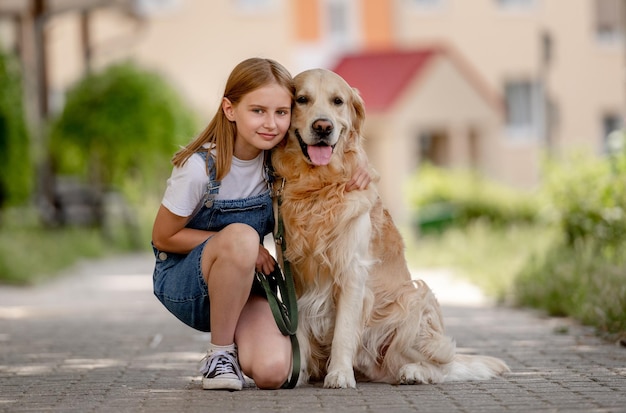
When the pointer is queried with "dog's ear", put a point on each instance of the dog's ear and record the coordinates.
(359, 111)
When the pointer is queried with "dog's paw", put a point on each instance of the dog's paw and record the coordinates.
(413, 374)
(340, 380)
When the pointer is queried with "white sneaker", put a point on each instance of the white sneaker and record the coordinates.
(248, 382)
(220, 371)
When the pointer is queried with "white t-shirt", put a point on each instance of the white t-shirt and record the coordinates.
(187, 184)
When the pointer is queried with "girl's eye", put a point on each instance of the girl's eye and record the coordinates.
(283, 112)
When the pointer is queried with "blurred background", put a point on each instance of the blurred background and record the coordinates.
(497, 127)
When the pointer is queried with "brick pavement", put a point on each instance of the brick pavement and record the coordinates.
(97, 341)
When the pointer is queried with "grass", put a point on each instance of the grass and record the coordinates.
(532, 266)
(581, 281)
(31, 253)
(488, 256)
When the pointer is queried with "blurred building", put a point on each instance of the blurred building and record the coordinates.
(492, 85)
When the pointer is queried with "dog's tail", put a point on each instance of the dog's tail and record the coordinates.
(466, 367)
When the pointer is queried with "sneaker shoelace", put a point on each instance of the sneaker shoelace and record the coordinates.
(221, 362)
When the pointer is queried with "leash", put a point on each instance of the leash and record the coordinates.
(281, 294)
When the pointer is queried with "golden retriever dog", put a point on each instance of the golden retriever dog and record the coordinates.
(361, 316)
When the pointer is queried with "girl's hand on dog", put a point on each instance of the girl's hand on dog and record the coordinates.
(360, 180)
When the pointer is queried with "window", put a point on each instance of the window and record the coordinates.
(341, 23)
(611, 132)
(523, 108)
(516, 4)
(338, 20)
(427, 4)
(609, 18)
(433, 147)
(254, 7)
(151, 8)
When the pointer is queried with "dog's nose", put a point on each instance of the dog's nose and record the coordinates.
(322, 127)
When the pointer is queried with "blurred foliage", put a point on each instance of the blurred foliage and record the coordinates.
(30, 254)
(584, 275)
(590, 197)
(117, 132)
(457, 197)
(117, 125)
(577, 281)
(16, 169)
(487, 255)
(560, 250)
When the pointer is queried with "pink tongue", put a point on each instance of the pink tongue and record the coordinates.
(320, 155)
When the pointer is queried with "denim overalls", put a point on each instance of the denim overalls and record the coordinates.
(178, 280)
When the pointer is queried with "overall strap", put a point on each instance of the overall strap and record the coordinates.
(212, 186)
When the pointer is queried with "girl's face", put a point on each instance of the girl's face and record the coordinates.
(262, 118)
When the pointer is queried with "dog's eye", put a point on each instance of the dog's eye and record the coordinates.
(302, 100)
(338, 101)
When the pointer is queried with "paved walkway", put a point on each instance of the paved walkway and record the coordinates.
(97, 341)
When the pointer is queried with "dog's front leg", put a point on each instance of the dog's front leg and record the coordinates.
(345, 340)
(349, 317)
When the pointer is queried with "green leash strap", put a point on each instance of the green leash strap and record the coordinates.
(295, 368)
(286, 318)
(281, 295)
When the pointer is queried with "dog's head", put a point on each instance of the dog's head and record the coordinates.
(327, 117)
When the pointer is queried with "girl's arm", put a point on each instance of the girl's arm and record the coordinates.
(169, 233)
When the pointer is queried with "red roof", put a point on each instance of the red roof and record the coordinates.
(380, 77)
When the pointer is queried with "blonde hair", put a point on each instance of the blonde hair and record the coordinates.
(220, 133)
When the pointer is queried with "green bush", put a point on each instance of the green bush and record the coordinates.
(572, 266)
(590, 197)
(576, 281)
(16, 170)
(584, 275)
(463, 196)
(117, 125)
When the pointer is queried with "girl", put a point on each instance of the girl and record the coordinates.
(208, 232)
